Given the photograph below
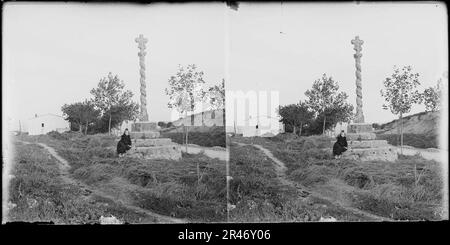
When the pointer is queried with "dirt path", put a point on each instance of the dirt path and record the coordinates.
(429, 154)
(281, 168)
(221, 154)
(64, 167)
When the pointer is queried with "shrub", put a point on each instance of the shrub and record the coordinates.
(207, 139)
(358, 178)
(57, 135)
(95, 173)
(312, 175)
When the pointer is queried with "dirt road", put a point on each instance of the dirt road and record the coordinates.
(220, 153)
(64, 167)
(281, 168)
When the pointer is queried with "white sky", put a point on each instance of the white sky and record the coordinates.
(56, 53)
(317, 40)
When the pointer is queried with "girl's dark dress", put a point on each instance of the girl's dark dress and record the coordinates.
(124, 144)
(338, 147)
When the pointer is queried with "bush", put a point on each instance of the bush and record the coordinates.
(95, 173)
(358, 178)
(162, 124)
(396, 209)
(57, 135)
(207, 139)
(312, 175)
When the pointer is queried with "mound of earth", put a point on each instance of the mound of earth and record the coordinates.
(421, 123)
(286, 137)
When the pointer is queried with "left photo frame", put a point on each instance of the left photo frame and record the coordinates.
(113, 114)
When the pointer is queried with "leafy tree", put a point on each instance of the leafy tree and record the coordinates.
(400, 93)
(216, 98)
(432, 97)
(81, 113)
(118, 113)
(114, 102)
(327, 103)
(185, 91)
(296, 116)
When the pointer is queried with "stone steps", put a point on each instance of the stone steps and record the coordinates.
(359, 128)
(386, 153)
(152, 142)
(144, 135)
(367, 143)
(172, 152)
(361, 136)
(144, 127)
(148, 145)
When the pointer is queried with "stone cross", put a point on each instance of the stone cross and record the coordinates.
(141, 40)
(359, 118)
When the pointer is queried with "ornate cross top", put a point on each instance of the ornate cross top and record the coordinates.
(141, 40)
(357, 42)
(359, 117)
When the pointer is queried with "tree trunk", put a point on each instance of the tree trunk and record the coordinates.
(401, 133)
(85, 131)
(198, 173)
(203, 114)
(397, 139)
(324, 120)
(192, 110)
(81, 127)
(186, 134)
(293, 129)
(109, 125)
(300, 132)
(223, 118)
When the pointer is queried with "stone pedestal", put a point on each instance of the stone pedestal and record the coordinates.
(147, 144)
(385, 153)
(359, 128)
(363, 146)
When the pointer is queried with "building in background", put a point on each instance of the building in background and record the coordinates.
(207, 118)
(45, 123)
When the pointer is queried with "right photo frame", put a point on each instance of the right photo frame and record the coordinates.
(337, 112)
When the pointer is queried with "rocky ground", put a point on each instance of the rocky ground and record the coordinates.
(93, 180)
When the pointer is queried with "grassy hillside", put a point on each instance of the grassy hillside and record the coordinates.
(423, 141)
(203, 136)
(392, 190)
(260, 197)
(426, 123)
(38, 194)
(420, 130)
(165, 187)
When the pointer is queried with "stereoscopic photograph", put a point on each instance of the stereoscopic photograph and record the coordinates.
(277, 112)
(114, 113)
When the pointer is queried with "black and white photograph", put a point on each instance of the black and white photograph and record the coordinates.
(337, 112)
(219, 112)
(114, 113)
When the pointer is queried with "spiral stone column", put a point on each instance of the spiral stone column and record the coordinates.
(359, 118)
(145, 135)
(141, 40)
(362, 142)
